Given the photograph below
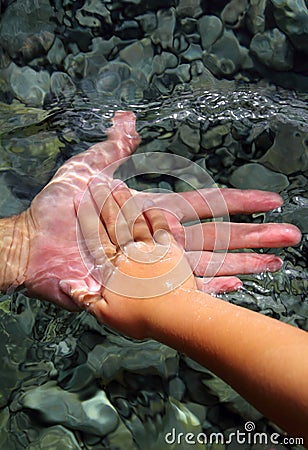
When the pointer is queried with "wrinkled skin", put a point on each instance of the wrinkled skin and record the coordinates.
(54, 252)
(51, 219)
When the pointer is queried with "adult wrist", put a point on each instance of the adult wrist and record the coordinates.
(14, 251)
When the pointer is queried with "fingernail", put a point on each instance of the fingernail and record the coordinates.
(237, 286)
(273, 200)
(275, 264)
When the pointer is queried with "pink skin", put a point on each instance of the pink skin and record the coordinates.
(54, 252)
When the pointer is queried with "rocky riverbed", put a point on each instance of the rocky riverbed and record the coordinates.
(223, 83)
(132, 50)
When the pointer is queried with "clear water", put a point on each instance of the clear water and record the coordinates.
(150, 386)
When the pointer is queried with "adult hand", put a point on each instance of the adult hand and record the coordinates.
(53, 246)
(48, 228)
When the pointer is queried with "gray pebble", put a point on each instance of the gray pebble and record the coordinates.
(234, 12)
(189, 8)
(289, 153)
(61, 84)
(26, 28)
(28, 85)
(163, 35)
(94, 415)
(210, 29)
(292, 18)
(255, 176)
(272, 49)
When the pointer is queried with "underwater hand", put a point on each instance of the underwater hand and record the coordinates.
(53, 252)
(207, 245)
(133, 256)
(40, 245)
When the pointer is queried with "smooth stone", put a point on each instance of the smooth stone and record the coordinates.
(128, 30)
(15, 345)
(189, 8)
(180, 43)
(111, 77)
(150, 433)
(188, 26)
(188, 182)
(105, 47)
(147, 21)
(115, 439)
(272, 49)
(182, 71)
(61, 84)
(132, 54)
(26, 154)
(292, 18)
(177, 388)
(256, 176)
(214, 137)
(234, 12)
(163, 61)
(289, 153)
(111, 359)
(88, 64)
(16, 115)
(193, 52)
(138, 53)
(28, 85)
(87, 15)
(5, 437)
(210, 29)
(9, 203)
(26, 28)
(163, 35)
(57, 52)
(255, 18)
(226, 56)
(197, 410)
(95, 415)
(190, 136)
(131, 91)
(202, 78)
(55, 437)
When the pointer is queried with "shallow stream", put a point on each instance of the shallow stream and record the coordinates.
(67, 382)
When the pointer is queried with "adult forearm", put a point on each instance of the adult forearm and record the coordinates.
(14, 251)
(265, 360)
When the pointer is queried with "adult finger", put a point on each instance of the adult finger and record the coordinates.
(214, 202)
(132, 212)
(211, 264)
(240, 235)
(218, 285)
(92, 229)
(105, 204)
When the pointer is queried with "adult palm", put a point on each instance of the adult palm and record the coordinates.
(53, 245)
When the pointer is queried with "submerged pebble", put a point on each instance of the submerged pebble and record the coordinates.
(256, 176)
(94, 415)
(197, 75)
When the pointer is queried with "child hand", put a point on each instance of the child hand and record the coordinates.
(134, 257)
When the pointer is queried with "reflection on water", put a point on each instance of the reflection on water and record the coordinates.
(69, 381)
